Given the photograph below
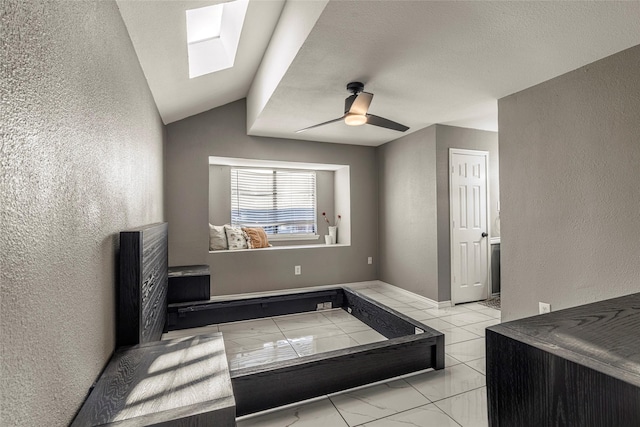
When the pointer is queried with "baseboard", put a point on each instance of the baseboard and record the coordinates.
(353, 285)
(435, 304)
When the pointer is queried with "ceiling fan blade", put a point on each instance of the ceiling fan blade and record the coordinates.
(385, 123)
(349, 102)
(361, 103)
(321, 124)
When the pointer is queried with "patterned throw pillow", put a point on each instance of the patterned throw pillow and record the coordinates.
(235, 237)
(217, 238)
(256, 237)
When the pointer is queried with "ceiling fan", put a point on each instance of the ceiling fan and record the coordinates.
(356, 108)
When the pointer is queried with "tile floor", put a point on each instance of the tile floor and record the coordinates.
(454, 396)
(255, 342)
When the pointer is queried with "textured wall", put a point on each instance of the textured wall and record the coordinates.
(408, 213)
(467, 139)
(570, 188)
(222, 132)
(81, 159)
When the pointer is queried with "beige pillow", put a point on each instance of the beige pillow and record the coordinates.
(235, 238)
(217, 238)
(256, 237)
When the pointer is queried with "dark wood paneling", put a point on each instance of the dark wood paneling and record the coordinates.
(189, 283)
(171, 383)
(142, 291)
(195, 314)
(391, 323)
(281, 383)
(573, 367)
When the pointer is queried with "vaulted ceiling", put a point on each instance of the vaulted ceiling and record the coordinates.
(426, 62)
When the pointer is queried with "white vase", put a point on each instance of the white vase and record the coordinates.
(333, 232)
(327, 239)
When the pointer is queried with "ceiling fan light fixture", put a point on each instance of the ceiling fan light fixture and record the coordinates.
(355, 119)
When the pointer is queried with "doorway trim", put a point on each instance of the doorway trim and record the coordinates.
(450, 171)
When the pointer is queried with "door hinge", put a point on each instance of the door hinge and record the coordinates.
(452, 170)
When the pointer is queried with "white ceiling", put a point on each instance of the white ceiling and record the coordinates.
(159, 35)
(426, 62)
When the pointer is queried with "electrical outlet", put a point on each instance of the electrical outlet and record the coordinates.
(370, 260)
(544, 307)
(297, 270)
(324, 306)
(349, 310)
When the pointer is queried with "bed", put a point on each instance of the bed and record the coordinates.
(411, 346)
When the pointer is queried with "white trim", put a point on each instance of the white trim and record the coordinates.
(435, 304)
(279, 248)
(453, 151)
(445, 304)
(285, 237)
(494, 240)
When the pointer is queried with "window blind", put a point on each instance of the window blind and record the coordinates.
(280, 201)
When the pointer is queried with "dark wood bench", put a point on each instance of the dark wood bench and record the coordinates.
(182, 382)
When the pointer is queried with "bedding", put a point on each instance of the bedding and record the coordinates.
(256, 237)
(236, 238)
(217, 238)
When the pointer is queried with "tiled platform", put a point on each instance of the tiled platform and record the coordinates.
(255, 342)
(455, 396)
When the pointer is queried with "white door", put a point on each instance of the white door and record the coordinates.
(469, 225)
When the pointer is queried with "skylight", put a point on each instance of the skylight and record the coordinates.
(204, 23)
(213, 35)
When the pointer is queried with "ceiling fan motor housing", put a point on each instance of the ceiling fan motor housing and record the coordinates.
(355, 87)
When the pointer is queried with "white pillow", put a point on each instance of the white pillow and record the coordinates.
(236, 238)
(217, 238)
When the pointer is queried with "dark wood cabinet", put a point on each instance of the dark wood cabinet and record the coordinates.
(573, 367)
(189, 283)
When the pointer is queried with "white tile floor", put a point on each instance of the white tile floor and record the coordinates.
(455, 396)
(255, 342)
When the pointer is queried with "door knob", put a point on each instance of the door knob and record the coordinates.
(484, 234)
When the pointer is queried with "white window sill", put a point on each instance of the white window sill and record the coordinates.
(291, 237)
(280, 248)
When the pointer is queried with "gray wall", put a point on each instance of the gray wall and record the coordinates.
(414, 206)
(81, 157)
(468, 139)
(408, 214)
(220, 202)
(222, 132)
(570, 186)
